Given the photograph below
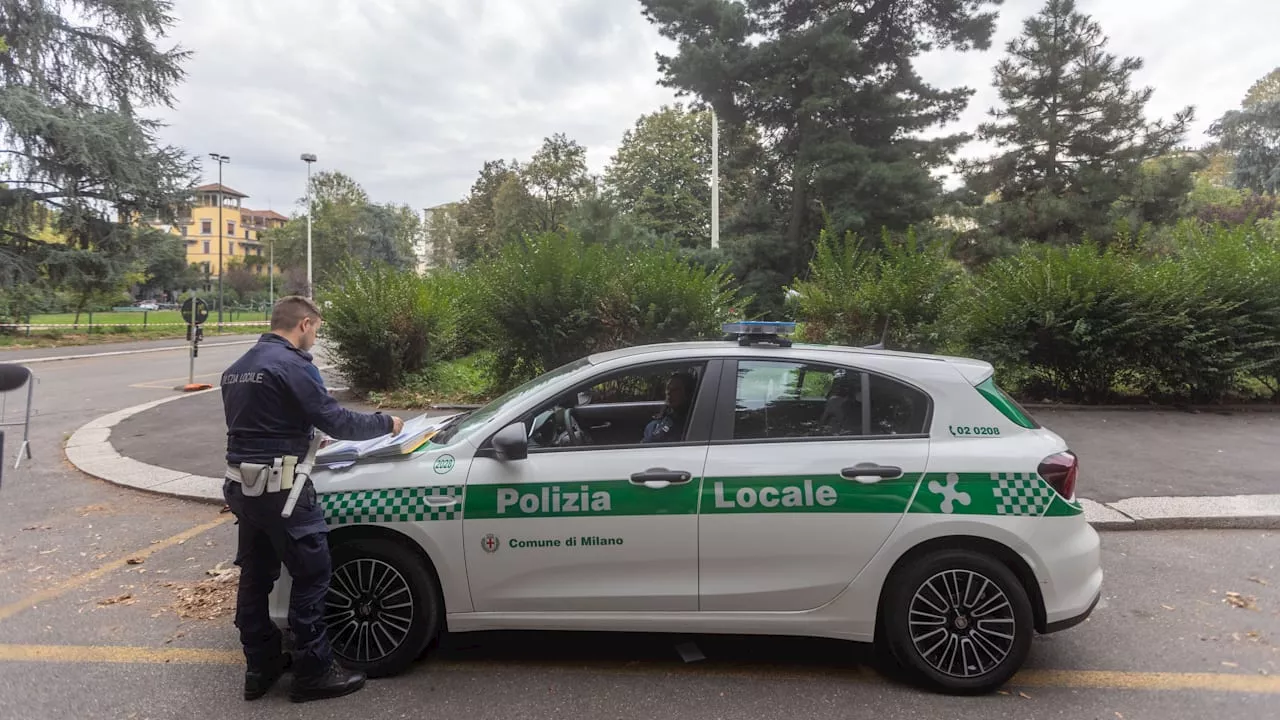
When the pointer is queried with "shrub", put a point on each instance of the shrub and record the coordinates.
(1062, 318)
(856, 296)
(552, 298)
(1220, 296)
(386, 323)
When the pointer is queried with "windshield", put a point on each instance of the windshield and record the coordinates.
(479, 417)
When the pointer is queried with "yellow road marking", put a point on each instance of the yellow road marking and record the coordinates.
(168, 383)
(13, 608)
(118, 654)
(1118, 680)
(1095, 679)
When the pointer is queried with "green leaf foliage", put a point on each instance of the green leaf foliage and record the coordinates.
(386, 323)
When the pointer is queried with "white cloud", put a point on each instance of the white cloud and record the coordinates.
(410, 97)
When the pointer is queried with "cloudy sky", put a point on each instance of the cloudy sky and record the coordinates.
(410, 97)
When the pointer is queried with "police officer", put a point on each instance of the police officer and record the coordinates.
(668, 426)
(273, 396)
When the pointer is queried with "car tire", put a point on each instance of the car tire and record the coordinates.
(383, 608)
(958, 621)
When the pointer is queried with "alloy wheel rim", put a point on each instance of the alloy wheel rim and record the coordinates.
(369, 610)
(962, 623)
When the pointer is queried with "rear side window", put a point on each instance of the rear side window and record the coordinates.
(780, 400)
(1006, 404)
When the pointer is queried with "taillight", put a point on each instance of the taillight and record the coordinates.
(1060, 472)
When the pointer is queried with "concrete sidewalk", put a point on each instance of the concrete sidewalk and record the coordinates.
(1140, 469)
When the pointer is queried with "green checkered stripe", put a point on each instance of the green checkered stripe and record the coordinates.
(394, 505)
(1022, 494)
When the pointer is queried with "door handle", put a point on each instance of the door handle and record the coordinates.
(602, 426)
(658, 478)
(868, 473)
(441, 501)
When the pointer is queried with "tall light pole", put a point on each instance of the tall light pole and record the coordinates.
(715, 180)
(308, 158)
(221, 160)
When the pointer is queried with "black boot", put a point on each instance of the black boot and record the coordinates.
(259, 679)
(333, 682)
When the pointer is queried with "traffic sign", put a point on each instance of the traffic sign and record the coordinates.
(201, 311)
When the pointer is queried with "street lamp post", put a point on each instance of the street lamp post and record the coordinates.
(309, 158)
(221, 160)
(715, 180)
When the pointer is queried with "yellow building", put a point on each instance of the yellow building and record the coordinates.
(236, 227)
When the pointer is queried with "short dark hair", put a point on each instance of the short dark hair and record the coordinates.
(686, 379)
(289, 311)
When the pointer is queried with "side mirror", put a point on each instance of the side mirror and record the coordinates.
(511, 442)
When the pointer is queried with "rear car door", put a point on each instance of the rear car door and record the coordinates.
(605, 525)
(811, 467)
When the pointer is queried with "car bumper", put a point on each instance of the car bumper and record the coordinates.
(1070, 571)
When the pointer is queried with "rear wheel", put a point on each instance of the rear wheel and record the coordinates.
(958, 620)
(383, 606)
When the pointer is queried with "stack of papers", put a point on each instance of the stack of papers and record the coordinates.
(415, 434)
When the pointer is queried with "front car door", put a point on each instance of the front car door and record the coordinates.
(594, 519)
(811, 467)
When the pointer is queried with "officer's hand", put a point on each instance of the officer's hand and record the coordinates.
(396, 425)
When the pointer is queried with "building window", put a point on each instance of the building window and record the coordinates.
(184, 231)
(246, 233)
(206, 247)
(231, 227)
(206, 228)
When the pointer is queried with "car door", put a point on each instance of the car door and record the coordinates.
(592, 528)
(811, 467)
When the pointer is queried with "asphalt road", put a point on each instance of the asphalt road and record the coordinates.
(86, 633)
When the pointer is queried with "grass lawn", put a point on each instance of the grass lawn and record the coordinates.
(136, 318)
(111, 334)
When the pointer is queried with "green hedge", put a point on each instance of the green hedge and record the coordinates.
(553, 298)
(387, 323)
(1189, 314)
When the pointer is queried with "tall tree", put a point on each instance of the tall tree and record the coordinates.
(477, 226)
(346, 226)
(71, 78)
(1252, 136)
(557, 179)
(831, 86)
(1072, 130)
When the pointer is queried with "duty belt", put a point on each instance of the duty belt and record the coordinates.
(283, 474)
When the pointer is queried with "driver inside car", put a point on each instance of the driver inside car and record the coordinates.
(668, 426)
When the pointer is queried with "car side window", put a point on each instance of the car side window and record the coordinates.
(778, 400)
(648, 404)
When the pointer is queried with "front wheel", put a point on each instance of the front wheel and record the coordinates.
(383, 606)
(958, 620)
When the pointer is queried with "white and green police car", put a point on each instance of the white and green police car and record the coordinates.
(874, 496)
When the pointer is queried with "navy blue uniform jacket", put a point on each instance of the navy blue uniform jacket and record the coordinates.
(273, 396)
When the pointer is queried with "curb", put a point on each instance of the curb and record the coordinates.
(90, 450)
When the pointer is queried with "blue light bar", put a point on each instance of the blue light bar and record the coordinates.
(758, 327)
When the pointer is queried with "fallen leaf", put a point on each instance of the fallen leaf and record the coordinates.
(1003, 692)
(1167, 607)
(1230, 664)
(1255, 578)
(37, 527)
(46, 552)
(1118, 715)
(1244, 602)
(1024, 695)
(125, 599)
(135, 561)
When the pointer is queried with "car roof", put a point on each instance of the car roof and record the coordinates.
(973, 370)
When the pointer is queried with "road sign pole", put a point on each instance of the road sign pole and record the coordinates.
(191, 333)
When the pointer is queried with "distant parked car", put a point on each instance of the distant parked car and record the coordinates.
(147, 305)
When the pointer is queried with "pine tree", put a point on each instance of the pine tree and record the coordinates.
(83, 164)
(831, 88)
(1072, 130)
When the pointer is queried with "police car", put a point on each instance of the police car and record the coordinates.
(876, 496)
